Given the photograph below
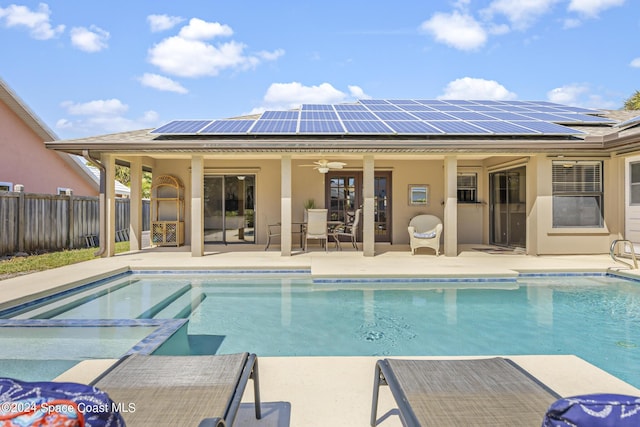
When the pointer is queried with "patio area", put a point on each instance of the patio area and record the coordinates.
(320, 391)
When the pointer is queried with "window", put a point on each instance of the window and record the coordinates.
(634, 172)
(6, 186)
(577, 194)
(467, 187)
(64, 191)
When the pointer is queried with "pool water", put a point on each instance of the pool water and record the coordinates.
(594, 316)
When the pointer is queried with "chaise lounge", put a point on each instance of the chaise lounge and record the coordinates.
(174, 391)
(466, 392)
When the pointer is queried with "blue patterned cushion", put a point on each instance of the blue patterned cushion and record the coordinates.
(97, 408)
(594, 410)
(427, 235)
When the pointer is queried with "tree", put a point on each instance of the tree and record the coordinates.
(633, 102)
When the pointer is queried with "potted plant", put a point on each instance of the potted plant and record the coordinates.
(308, 204)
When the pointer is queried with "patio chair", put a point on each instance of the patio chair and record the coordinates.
(466, 392)
(174, 391)
(347, 230)
(424, 232)
(316, 228)
(273, 230)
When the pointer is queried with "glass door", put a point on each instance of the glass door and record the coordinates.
(507, 207)
(229, 209)
(344, 196)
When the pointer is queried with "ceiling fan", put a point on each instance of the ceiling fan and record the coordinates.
(323, 166)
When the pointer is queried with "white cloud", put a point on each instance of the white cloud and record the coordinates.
(284, 96)
(37, 22)
(197, 29)
(100, 107)
(159, 23)
(458, 30)
(568, 94)
(93, 39)
(579, 95)
(102, 116)
(159, 82)
(189, 55)
(520, 13)
(592, 8)
(474, 88)
(635, 63)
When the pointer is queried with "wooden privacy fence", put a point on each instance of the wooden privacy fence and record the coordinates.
(43, 222)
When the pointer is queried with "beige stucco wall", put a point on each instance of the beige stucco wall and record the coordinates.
(473, 220)
(25, 160)
(543, 238)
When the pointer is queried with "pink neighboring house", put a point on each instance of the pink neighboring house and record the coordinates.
(26, 161)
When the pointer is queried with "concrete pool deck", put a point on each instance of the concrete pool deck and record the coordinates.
(336, 391)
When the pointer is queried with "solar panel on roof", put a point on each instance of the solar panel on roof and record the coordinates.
(415, 107)
(317, 107)
(383, 107)
(628, 123)
(469, 115)
(432, 115)
(449, 107)
(458, 127)
(502, 127)
(318, 115)
(321, 126)
(395, 115)
(279, 115)
(373, 101)
(550, 128)
(402, 101)
(350, 107)
(357, 115)
(505, 115)
(413, 127)
(275, 126)
(366, 127)
(182, 127)
(228, 126)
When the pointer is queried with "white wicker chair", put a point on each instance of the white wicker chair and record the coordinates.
(424, 232)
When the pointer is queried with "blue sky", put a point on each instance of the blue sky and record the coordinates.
(96, 67)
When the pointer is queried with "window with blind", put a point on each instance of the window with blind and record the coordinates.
(577, 194)
(467, 187)
(634, 196)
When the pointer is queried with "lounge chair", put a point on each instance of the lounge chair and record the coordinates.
(181, 390)
(467, 392)
(424, 232)
(316, 227)
(347, 230)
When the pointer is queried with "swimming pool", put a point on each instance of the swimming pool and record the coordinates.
(594, 316)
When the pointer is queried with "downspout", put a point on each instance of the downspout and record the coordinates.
(101, 201)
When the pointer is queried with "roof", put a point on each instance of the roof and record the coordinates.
(121, 189)
(24, 113)
(586, 135)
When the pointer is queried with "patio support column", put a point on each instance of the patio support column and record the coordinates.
(368, 217)
(135, 205)
(285, 205)
(450, 219)
(197, 206)
(109, 239)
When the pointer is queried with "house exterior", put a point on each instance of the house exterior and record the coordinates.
(26, 164)
(543, 177)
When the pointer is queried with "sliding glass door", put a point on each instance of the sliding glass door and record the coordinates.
(229, 209)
